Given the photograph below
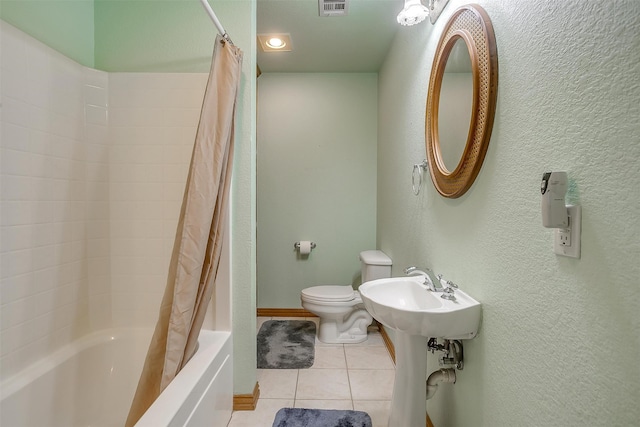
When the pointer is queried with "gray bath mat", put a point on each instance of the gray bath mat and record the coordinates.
(300, 417)
(286, 344)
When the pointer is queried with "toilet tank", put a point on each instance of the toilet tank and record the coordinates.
(375, 265)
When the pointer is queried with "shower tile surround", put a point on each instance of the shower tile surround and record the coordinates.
(93, 170)
(343, 376)
(55, 227)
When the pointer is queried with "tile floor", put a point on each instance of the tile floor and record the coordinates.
(343, 376)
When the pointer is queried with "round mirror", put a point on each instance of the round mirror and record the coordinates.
(454, 108)
(461, 100)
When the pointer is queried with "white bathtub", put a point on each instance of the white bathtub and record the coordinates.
(91, 383)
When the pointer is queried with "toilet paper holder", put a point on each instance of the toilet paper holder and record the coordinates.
(296, 245)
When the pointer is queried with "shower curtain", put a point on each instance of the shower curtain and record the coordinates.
(199, 235)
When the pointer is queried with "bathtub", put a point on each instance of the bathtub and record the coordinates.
(91, 382)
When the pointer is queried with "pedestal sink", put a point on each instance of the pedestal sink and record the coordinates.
(416, 314)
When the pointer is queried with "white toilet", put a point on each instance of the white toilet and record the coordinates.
(343, 318)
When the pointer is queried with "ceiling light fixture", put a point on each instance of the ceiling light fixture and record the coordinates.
(413, 13)
(275, 42)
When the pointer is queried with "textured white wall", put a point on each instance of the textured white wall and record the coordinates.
(316, 181)
(559, 338)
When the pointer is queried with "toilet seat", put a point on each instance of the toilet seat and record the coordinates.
(331, 294)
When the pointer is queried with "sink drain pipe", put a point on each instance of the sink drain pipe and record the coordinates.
(439, 376)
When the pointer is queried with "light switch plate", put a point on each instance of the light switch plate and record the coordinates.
(567, 241)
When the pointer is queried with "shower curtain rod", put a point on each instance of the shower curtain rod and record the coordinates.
(215, 20)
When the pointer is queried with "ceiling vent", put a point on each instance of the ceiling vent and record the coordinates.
(333, 7)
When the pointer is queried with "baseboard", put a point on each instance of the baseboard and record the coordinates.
(284, 312)
(387, 341)
(246, 402)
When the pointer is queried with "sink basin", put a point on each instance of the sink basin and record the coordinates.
(404, 304)
(416, 314)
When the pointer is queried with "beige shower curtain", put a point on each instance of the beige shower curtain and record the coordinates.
(198, 242)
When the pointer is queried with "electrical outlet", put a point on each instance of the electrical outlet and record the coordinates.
(564, 235)
(567, 240)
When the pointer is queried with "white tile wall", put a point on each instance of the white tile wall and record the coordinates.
(54, 189)
(96, 161)
(93, 168)
(152, 124)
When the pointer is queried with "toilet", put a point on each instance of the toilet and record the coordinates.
(343, 318)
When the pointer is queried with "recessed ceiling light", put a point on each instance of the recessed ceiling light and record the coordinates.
(275, 42)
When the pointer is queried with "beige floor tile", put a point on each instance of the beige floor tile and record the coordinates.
(378, 410)
(324, 404)
(277, 383)
(324, 344)
(323, 384)
(263, 415)
(344, 376)
(374, 339)
(368, 358)
(371, 384)
(329, 357)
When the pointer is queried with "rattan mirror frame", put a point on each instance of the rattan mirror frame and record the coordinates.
(471, 24)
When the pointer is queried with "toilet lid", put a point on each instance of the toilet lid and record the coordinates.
(330, 293)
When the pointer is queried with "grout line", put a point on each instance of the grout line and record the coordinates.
(295, 393)
(344, 352)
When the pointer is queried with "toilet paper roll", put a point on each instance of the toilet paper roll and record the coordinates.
(305, 247)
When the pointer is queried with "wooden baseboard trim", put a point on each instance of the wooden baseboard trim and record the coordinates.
(387, 342)
(284, 312)
(246, 402)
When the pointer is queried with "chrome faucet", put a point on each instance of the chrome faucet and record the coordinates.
(413, 271)
(431, 281)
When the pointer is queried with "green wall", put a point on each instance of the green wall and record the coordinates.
(316, 180)
(66, 26)
(239, 19)
(559, 342)
(157, 36)
(125, 35)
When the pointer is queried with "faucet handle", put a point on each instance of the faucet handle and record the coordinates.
(450, 284)
(448, 293)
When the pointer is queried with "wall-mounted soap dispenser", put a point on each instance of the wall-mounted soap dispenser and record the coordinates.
(566, 219)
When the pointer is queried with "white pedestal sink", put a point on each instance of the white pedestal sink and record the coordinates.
(405, 305)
